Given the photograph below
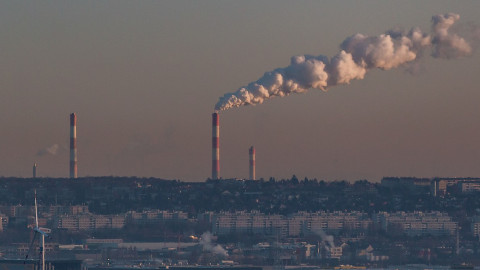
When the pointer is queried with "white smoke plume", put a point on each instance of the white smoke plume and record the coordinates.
(206, 242)
(359, 53)
(448, 45)
(50, 150)
(325, 237)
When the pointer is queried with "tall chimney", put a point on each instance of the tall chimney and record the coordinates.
(34, 170)
(215, 146)
(73, 145)
(251, 155)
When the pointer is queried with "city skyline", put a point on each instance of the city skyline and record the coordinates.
(143, 79)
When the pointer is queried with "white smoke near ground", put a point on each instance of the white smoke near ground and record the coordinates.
(206, 242)
(359, 53)
(325, 237)
(50, 150)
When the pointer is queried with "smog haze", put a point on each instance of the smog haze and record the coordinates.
(143, 78)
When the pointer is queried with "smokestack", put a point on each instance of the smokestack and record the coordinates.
(215, 146)
(73, 145)
(34, 170)
(251, 155)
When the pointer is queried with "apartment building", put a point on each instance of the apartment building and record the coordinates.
(155, 216)
(89, 222)
(418, 223)
(295, 225)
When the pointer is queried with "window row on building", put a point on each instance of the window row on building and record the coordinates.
(302, 223)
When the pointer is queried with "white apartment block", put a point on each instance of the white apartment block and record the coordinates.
(86, 221)
(418, 223)
(89, 222)
(155, 216)
(468, 187)
(294, 225)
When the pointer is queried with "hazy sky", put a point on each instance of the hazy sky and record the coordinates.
(144, 76)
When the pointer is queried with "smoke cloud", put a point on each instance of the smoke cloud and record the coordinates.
(325, 237)
(359, 53)
(206, 242)
(50, 150)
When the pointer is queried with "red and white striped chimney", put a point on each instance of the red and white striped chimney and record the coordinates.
(215, 146)
(73, 145)
(251, 155)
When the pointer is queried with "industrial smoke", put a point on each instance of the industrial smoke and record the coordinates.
(359, 53)
(206, 242)
(50, 150)
(325, 237)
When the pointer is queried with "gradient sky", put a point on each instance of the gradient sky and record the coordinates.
(144, 76)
